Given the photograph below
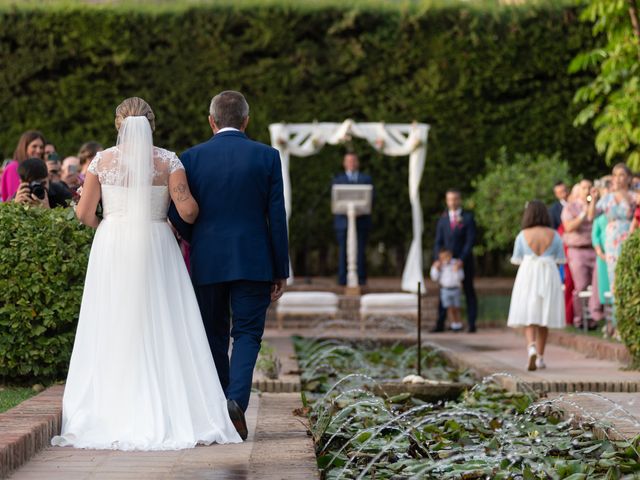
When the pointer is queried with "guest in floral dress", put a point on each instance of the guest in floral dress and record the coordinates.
(618, 206)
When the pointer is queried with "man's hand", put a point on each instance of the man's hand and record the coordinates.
(437, 264)
(277, 289)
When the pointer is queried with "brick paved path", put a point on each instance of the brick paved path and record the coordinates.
(278, 448)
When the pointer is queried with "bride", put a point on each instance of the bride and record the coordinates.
(141, 375)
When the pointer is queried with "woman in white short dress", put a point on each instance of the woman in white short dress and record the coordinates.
(537, 300)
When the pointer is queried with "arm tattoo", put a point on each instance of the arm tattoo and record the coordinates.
(181, 192)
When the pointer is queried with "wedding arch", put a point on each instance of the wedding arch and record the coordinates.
(396, 140)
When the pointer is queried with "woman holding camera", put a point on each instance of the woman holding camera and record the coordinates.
(30, 145)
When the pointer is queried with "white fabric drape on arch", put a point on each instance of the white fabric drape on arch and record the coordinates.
(306, 139)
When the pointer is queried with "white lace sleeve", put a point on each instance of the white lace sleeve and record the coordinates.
(93, 166)
(175, 164)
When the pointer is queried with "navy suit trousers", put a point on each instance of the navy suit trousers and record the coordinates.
(341, 236)
(235, 309)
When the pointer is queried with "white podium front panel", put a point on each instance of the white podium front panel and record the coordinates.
(359, 196)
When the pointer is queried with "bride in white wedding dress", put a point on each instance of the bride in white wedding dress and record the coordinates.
(141, 375)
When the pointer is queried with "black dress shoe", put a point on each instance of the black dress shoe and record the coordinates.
(436, 330)
(472, 330)
(237, 418)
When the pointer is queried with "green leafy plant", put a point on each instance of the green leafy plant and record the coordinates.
(268, 362)
(627, 295)
(487, 433)
(501, 194)
(43, 259)
(612, 99)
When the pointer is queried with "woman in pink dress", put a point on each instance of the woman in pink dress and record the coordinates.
(30, 145)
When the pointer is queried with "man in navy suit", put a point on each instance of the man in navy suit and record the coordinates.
(352, 176)
(555, 210)
(456, 232)
(239, 246)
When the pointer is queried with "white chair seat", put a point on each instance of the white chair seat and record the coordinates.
(307, 304)
(388, 303)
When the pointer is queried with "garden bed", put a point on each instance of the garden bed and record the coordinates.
(486, 433)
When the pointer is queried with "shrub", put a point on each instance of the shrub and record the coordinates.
(43, 259)
(502, 193)
(627, 296)
(482, 75)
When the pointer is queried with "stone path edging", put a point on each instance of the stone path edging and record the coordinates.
(28, 427)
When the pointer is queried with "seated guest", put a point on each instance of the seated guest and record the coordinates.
(537, 301)
(448, 273)
(35, 188)
(30, 145)
(352, 175)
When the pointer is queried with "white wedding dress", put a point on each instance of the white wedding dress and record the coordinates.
(141, 375)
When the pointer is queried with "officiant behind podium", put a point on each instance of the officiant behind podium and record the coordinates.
(352, 176)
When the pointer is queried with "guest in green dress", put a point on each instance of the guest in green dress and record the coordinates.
(598, 238)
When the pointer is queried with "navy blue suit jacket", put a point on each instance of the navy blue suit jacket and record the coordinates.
(241, 231)
(340, 222)
(460, 240)
(555, 212)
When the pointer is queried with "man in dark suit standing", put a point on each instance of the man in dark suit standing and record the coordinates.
(555, 210)
(239, 246)
(456, 231)
(352, 176)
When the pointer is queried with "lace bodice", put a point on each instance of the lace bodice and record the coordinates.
(106, 166)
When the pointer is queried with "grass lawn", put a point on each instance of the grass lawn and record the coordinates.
(12, 396)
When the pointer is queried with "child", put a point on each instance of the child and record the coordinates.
(448, 273)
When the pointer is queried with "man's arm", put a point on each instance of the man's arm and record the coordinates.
(439, 243)
(277, 218)
(469, 240)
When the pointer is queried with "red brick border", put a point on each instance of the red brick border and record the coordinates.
(28, 428)
(592, 347)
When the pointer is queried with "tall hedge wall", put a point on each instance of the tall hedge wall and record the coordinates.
(482, 79)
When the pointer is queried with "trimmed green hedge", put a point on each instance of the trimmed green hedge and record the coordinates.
(627, 295)
(43, 259)
(482, 77)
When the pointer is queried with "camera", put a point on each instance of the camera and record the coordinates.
(37, 188)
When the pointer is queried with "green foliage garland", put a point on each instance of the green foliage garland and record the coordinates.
(43, 259)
